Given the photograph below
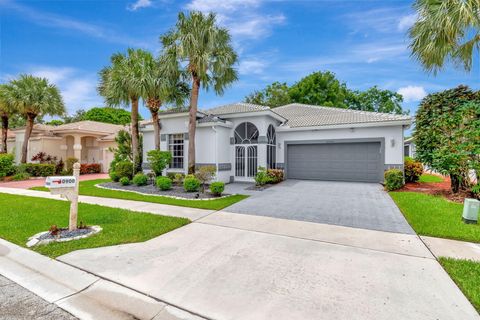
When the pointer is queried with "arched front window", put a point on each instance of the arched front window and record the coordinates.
(271, 148)
(246, 133)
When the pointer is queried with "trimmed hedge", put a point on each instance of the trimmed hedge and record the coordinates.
(124, 169)
(393, 179)
(275, 175)
(164, 183)
(413, 169)
(37, 169)
(7, 164)
(191, 184)
(140, 179)
(217, 188)
(89, 168)
(124, 181)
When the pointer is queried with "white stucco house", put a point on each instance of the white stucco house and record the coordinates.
(308, 142)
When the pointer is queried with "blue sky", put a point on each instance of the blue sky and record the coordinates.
(363, 42)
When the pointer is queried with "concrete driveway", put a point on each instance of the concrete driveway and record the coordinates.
(235, 266)
(351, 204)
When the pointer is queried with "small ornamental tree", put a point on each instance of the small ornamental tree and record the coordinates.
(447, 133)
(158, 160)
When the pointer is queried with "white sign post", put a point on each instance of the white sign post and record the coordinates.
(67, 187)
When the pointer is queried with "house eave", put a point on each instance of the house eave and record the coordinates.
(286, 128)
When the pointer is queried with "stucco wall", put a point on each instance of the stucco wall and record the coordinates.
(393, 153)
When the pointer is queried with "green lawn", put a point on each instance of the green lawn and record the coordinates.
(21, 217)
(466, 275)
(435, 216)
(426, 177)
(88, 188)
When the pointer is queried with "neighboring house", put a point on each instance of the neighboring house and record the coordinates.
(88, 141)
(308, 142)
(409, 148)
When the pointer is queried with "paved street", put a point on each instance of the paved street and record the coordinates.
(17, 303)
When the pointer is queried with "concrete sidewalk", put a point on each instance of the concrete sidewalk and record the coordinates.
(453, 248)
(82, 294)
(154, 208)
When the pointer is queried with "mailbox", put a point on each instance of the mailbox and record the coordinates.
(60, 182)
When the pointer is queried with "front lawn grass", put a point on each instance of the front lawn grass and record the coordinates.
(21, 217)
(429, 178)
(87, 188)
(435, 216)
(466, 274)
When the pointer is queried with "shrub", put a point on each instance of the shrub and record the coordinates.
(217, 188)
(393, 179)
(164, 183)
(59, 166)
(476, 191)
(42, 157)
(413, 169)
(7, 164)
(20, 176)
(69, 164)
(124, 181)
(124, 169)
(37, 169)
(191, 183)
(275, 175)
(140, 179)
(158, 160)
(205, 174)
(178, 179)
(113, 175)
(261, 178)
(89, 168)
(171, 175)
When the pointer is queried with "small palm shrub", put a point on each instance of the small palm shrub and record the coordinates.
(413, 169)
(164, 183)
(124, 181)
(191, 183)
(216, 188)
(124, 169)
(393, 179)
(140, 179)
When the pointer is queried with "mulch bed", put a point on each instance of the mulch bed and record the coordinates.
(437, 188)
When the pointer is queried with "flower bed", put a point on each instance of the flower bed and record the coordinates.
(89, 168)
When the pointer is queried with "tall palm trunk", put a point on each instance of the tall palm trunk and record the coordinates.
(135, 136)
(154, 106)
(28, 133)
(192, 126)
(4, 132)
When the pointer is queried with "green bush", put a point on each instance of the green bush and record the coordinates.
(7, 164)
(413, 169)
(69, 164)
(262, 178)
(20, 176)
(191, 184)
(164, 183)
(124, 169)
(393, 179)
(178, 179)
(158, 160)
(476, 190)
(37, 169)
(140, 179)
(171, 175)
(217, 188)
(113, 175)
(124, 181)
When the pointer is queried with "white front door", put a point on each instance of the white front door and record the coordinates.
(245, 162)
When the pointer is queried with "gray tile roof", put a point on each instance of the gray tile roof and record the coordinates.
(301, 115)
(236, 108)
(210, 118)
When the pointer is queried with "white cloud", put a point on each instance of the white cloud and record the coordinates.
(139, 4)
(412, 93)
(252, 66)
(242, 17)
(78, 89)
(406, 22)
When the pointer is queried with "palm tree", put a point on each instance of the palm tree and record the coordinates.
(205, 49)
(160, 83)
(6, 111)
(120, 85)
(445, 31)
(32, 97)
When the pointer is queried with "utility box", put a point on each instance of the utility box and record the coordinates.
(470, 210)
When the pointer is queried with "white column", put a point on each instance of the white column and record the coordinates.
(77, 148)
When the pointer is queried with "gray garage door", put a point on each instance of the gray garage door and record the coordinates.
(335, 161)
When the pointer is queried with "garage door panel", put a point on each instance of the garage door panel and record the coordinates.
(335, 161)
